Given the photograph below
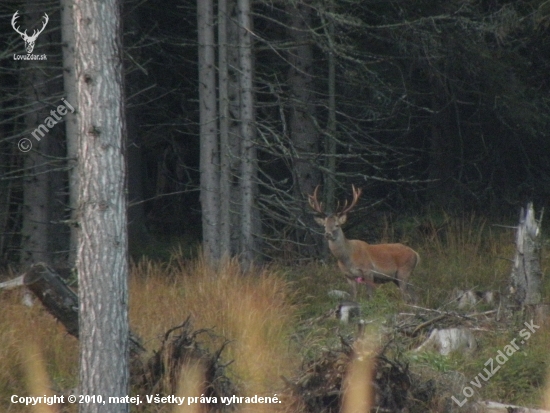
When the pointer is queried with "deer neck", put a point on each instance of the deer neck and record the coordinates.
(340, 247)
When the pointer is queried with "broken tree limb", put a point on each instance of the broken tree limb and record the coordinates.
(11, 284)
(62, 302)
(54, 294)
(495, 407)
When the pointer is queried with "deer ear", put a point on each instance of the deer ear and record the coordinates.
(319, 220)
(342, 219)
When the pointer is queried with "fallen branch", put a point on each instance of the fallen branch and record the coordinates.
(494, 407)
(11, 284)
(62, 302)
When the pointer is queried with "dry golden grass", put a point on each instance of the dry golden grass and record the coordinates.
(252, 310)
(358, 394)
(256, 311)
(31, 340)
(38, 381)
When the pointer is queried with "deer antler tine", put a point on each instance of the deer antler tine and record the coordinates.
(314, 203)
(343, 206)
(356, 194)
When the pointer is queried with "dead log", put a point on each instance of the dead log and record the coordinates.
(62, 302)
(11, 284)
(54, 294)
(495, 407)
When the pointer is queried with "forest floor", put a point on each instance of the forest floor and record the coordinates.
(280, 323)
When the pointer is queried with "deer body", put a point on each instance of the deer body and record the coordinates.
(361, 262)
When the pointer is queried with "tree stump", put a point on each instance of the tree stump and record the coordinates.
(526, 276)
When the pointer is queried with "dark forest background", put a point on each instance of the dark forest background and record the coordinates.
(431, 107)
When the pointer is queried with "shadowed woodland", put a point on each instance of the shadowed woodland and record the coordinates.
(430, 119)
(429, 107)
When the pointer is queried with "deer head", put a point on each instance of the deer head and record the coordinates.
(29, 40)
(333, 222)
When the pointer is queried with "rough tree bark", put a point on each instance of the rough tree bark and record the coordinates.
(36, 189)
(209, 151)
(225, 153)
(304, 136)
(249, 218)
(102, 261)
(230, 136)
(303, 132)
(71, 126)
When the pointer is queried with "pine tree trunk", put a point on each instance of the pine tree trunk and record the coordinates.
(36, 189)
(209, 157)
(249, 219)
(303, 133)
(102, 261)
(71, 126)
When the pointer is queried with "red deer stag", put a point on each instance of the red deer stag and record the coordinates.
(361, 262)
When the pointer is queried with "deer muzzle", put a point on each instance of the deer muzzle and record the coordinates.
(330, 236)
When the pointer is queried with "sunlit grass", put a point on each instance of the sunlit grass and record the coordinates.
(465, 254)
(253, 311)
(278, 317)
(31, 337)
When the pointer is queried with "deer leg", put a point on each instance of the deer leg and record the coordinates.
(403, 286)
(368, 280)
(353, 286)
(369, 283)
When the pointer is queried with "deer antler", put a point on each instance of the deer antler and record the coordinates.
(356, 195)
(314, 203)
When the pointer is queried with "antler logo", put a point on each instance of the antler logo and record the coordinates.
(29, 40)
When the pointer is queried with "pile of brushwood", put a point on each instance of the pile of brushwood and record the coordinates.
(319, 388)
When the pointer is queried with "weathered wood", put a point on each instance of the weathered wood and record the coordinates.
(540, 314)
(62, 302)
(495, 407)
(54, 294)
(448, 340)
(526, 277)
(11, 284)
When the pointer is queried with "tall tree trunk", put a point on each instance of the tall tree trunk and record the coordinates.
(304, 136)
(225, 150)
(71, 126)
(36, 190)
(209, 157)
(249, 218)
(330, 140)
(233, 150)
(102, 261)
